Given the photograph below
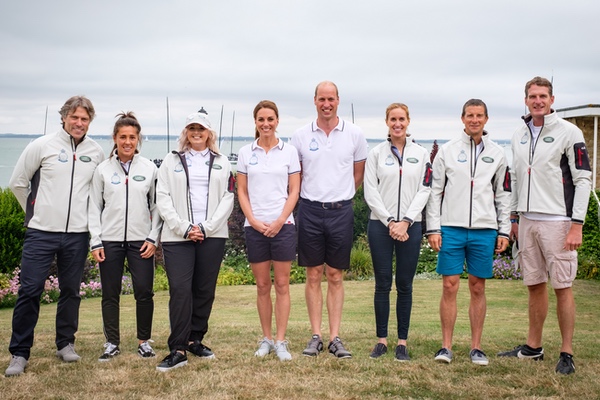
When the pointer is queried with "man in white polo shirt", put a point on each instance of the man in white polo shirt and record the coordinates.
(332, 154)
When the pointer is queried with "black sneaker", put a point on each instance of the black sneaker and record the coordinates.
(336, 347)
(145, 350)
(524, 351)
(174, 360)
(110, 351)
(565, 364)
(379, 350)
(200, 350)
(402, 353)
(314, 346)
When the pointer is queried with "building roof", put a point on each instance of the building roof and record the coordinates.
(588, 110)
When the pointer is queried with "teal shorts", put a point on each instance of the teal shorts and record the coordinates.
(473, 246)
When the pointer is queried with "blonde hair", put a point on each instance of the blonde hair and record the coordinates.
(211, 141)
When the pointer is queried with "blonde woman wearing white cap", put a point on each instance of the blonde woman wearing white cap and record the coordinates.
(194, 198)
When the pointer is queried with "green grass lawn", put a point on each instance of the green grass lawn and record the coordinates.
(237, 374)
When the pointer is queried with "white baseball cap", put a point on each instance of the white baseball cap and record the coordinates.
(198, 118)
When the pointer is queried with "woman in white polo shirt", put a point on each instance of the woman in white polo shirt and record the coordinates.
(124, 224)
(268, 187)
(397, 186)
(194, 196)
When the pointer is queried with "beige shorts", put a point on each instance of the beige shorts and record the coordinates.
(542, 254)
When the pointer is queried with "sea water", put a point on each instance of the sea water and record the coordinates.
(11, 147)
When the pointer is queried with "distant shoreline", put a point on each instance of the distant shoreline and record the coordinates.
(235, 138)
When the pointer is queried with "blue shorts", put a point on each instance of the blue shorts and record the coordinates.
(260, 248)
(475, 246)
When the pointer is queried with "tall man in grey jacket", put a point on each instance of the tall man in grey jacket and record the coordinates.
(51, 182)
(552, 180)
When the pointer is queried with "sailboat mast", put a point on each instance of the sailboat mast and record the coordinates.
(232, 125)
(168, 137)
(46, 120)
(220, 125)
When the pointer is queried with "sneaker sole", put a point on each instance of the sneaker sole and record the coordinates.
(166, 369)
(537, 357)
(149, 356)
(398, 360)
(443, 359)
(341, 357)
(480, 362)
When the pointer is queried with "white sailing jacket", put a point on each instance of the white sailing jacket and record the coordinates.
(173, 197)
(470, 192)
(52, 179)
(397, 191)
(552, 175)
(123, 204)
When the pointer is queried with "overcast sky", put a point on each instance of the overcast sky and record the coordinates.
(432, 55)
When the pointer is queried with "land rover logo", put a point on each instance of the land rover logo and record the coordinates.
(412, 160)
(85, 158)
(217, 166)
(548, 139)
(139, 178)
(488, 160)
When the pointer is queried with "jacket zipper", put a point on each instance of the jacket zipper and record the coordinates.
(532, 147)
(74, 149)
(126, 198)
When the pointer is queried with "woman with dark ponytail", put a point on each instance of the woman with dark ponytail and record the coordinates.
(124, 224)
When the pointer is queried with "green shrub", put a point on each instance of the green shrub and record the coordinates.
(589, 252)
(12, 231)
(160, 279)
(361, 264)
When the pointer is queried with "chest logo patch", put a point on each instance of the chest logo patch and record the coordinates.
(139, 178)
(85, 159)
(462, 157)
(412, 160)
(62, 157)
(116, 179)
(488, 160)
(549, 139)
(313, 146)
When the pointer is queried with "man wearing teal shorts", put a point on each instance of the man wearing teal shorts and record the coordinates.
(467, 221)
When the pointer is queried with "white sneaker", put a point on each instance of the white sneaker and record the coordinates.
(265, 346)
(16, 367)
(68, 354)
(281, 349)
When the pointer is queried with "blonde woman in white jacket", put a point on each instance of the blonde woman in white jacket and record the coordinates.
(194, 198)
(397, 186)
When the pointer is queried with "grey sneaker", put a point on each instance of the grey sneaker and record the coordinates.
(281, 349)
(478, 357)
(314, 346)
(67, 353)
(265, 346)
(110, 351)
(336, 347)
(16, 367)
(443, 355)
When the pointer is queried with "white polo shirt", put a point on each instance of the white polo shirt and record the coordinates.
(328, 161)
(197, 163)
(268, 174)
